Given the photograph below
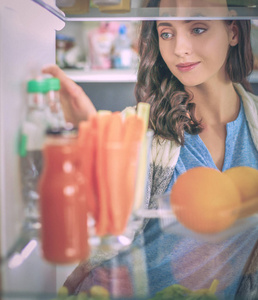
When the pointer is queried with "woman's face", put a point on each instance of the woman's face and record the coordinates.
(196, 51)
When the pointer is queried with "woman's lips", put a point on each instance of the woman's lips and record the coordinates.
(187, 66)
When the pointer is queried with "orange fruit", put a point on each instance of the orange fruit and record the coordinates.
(203, 200)
(246, 180)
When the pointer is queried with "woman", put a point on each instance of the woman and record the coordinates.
(193, 73)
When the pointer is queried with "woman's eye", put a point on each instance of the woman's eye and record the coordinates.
(166, 35)
(198, 30)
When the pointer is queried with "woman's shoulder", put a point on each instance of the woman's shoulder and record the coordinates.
(250, 103)
(247, 97)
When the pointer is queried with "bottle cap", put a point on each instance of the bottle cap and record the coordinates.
(122, 29)
(52, 84)
(36, 86)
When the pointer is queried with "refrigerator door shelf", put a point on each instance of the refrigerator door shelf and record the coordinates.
(27, 39)
(239, 9)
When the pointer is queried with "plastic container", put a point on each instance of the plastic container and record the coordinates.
(248, 217)
(100, 46)
(62, 200)
(30, 148)
(74, 7)
(54, 112)
(63, 45)
(122, 55)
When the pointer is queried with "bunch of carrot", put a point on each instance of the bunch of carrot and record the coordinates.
(110, 152)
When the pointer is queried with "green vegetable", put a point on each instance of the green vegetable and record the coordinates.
(179, 292)
(202, 297)
(175, 291)
(82, 296)
(95, 293)
(62, 292)
(100, 293)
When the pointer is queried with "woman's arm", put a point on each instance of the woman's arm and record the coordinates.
(76, 105)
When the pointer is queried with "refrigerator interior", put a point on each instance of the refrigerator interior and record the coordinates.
(27, 43)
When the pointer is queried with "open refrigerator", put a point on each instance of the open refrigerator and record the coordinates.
(27, 42)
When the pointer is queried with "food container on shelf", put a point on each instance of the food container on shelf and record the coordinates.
(76, 7)
(124, 6)
(106, 2)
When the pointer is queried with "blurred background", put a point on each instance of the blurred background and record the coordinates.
(102, 57)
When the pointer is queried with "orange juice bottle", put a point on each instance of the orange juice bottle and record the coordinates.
(62, 200)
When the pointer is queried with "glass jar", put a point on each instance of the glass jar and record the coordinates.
(62, 200)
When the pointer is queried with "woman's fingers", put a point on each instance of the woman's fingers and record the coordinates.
(66, 83)
(77, 106)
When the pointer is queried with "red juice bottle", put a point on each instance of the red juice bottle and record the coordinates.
(62, 200)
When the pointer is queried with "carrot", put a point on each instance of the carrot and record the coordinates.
(88, 147)
(115, 169)
(101, 122)
(133, 134)
(134, 129)
(111, 150)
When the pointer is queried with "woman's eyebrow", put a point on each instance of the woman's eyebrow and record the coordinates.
(164, 24)
(170, 25)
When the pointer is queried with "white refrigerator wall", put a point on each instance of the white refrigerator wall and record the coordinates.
(27, 43)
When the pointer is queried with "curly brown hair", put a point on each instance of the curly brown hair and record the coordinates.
(172, 112)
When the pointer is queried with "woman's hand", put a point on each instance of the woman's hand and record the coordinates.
(76, 105)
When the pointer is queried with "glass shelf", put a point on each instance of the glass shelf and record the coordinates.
(111, 75)
(243, 9)
(116, 76)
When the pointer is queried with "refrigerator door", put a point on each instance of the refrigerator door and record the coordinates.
(27, 41)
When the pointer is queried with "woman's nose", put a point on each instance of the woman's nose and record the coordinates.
(183, 45)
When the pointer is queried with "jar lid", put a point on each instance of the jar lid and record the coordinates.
(62, 37)
(36, 86)
(61, 131)
(52, 84)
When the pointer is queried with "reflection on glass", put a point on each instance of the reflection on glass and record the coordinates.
(195, 8)
(18, 258)
(148, 10)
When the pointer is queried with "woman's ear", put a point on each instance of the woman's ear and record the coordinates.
(234, 34)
